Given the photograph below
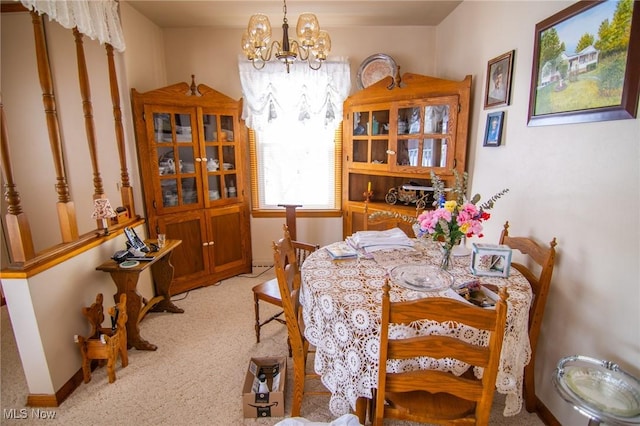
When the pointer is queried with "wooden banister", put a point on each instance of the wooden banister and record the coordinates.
(87, 109)
(126, 192)
(18, 230)
(65, 207)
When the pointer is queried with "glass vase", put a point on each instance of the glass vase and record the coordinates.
(447, 259)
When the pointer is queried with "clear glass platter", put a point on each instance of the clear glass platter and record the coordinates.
(600, 388)
(421, 277)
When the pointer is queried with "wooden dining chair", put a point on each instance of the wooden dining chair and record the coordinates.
(432, 396)
(269, 292)
(289, 279)
(538, 272)
(381, 221)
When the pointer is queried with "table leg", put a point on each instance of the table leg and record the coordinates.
(162, 273)
(127, 282)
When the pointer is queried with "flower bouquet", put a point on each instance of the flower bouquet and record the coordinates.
(456, 219)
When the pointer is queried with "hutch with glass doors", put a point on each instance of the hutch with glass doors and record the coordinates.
(394, 138)
(191, 142)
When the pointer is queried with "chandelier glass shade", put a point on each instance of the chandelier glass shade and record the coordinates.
(313, 44)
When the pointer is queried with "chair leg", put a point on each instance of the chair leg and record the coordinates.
(362, 404)
(529, 390)
(256, 304)
(298, 387)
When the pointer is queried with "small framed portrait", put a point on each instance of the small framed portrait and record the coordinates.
(493, 130)
(498, 86)
(491, 260)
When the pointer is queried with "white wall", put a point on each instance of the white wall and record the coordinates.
(577, 182)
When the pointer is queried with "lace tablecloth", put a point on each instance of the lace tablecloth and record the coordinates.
(341, 302)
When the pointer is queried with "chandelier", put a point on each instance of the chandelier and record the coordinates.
(313, 44)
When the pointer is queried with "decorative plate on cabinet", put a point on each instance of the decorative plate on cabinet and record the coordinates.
(375, 68)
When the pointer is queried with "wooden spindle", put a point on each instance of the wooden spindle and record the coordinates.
(65, 207)
(87, 109)
(126, 192)
(18, 230)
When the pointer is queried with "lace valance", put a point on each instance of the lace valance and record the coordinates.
(96, 19)
(303, 93)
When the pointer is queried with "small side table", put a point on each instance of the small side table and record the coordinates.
(126, 281)
(598, 389)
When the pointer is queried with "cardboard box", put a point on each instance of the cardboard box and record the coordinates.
(271, 404)
(491, 260)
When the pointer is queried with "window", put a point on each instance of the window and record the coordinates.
(295, 138)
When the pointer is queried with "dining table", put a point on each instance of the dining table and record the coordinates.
(341, 306)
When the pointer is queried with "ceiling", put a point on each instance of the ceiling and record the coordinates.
(330, 13)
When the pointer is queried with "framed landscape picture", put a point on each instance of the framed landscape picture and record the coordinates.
(498, 85)
(585, 64)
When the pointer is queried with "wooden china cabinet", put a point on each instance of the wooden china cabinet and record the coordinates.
(394, 138)
(191, 143)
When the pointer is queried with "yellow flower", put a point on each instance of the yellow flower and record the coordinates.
(464, 228)
(450, 205)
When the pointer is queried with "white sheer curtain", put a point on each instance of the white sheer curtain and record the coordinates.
(303, 92)
(294, 116)
(96, 19)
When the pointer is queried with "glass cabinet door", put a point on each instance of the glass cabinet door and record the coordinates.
(370, 137)
(424, 133)
(220, 157)
(175, 140)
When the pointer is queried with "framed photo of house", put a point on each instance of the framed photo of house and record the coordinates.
(585, 64)
(493, 129)
(498, 85)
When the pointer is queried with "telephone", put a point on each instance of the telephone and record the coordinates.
(134, 242)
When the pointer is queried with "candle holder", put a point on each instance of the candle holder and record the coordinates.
(367, 195)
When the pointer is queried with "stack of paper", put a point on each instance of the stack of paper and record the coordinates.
(379, 240)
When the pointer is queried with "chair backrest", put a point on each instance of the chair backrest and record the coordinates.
(543, 259)
(381, 221)
(287, 267)
(435, 390)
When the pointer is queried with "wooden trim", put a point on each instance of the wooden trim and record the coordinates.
(13, 7)
(299, 213)
(63, 252)
(545, 415)
(45, 400)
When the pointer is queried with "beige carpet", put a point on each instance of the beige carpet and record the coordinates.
(194, 378)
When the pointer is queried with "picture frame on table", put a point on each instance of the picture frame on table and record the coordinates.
(585, 64)
(491, 260)
(493, 129)
(498, 83)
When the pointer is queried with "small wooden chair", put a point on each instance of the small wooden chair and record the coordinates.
(289, 280)
(432, 396)
(543, 258)
(269, 292)
(104, 344)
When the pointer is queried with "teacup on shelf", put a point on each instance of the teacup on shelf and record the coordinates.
(213, 164)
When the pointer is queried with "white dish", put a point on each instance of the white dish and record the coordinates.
(421, 277)
(129, 264)
(227, 166)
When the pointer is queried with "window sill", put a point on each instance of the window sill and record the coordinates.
(299, 213)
